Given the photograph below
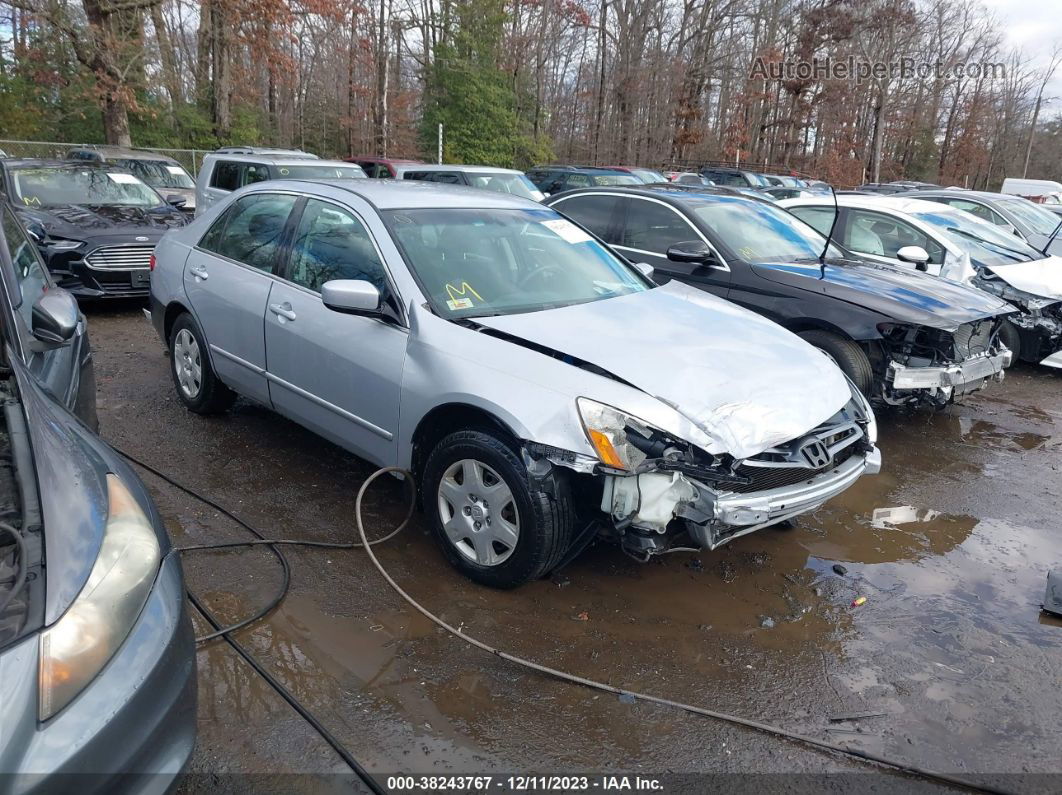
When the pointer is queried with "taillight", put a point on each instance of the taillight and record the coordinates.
(151, 262)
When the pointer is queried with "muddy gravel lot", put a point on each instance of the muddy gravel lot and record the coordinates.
(949, 664)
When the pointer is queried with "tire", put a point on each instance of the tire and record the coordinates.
(1009, 336)
(197, 386)
(847, 355)
(476, 536)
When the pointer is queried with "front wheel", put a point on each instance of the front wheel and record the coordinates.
(847, 355)
(491, 522)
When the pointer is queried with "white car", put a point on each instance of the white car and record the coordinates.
(953, 244)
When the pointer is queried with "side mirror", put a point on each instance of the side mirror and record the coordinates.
(55, 316)
(35, 229)
(352, 296)
(176, 201)
(645, 269)
(916, 255)
(695, 251)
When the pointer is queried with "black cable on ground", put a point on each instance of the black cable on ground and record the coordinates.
(225, 632)
(774, 731)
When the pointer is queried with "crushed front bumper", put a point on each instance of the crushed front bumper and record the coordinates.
(963, 377)
(735, 515)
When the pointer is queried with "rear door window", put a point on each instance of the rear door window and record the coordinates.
(226, 175)
(252, 230)
(595, 212)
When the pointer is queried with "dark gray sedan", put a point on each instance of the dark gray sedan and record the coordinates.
(1033, 223)
(97, 663)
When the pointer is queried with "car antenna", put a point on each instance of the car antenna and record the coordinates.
(829, 236)
(1051, 239)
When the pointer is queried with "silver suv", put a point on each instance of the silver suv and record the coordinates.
(233, 167)
(540, 388)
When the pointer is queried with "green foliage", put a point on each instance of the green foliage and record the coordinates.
(473, 98)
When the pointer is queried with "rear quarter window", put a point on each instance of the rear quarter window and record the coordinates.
(226, 175)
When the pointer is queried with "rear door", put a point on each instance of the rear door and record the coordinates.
(228, 277)
(338, 374)
(66, 371)
(878, 236)
(649, 227)
(597, 212)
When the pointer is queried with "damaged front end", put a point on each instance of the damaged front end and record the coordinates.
(1039, 324)
(919, 365)
(658, 492)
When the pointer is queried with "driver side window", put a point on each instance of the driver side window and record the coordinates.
(882, 235)
(31, 274)
(654, 227)
(330, 243)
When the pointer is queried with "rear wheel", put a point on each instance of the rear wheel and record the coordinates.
(491, 522)
(847, 355)
(1009, 336)
(197, 386)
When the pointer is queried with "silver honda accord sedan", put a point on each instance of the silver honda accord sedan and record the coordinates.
(543, 392)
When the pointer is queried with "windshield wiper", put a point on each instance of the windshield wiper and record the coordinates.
(1018, 255)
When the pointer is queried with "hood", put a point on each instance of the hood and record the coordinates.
(83, 221)
(1041, 277)
(737, 376)
(903, 295)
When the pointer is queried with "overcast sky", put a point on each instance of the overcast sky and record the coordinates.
(1034, 26)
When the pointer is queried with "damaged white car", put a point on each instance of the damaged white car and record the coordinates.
(543, 391)
(954, 244)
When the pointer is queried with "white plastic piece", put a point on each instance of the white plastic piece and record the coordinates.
(652, 497)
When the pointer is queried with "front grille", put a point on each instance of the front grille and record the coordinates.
(972, 339)
(120, 257)
(765, 478)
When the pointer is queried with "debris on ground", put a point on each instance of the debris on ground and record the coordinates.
(839, 569)
(583, 616)
(856, 716)
(859, 601)
(767, 622)
(626, 698)
(695, 565)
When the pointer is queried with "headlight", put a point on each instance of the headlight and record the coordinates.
(56, 244)
(864, 405)
(78, 645)
(606, 429)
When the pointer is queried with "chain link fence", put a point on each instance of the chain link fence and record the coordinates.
(191, 159)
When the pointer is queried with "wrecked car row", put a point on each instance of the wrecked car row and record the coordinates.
(902, 338)
(952, 244)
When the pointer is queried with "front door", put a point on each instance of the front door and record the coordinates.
(227, 278)
(649, 227)
(338, 374)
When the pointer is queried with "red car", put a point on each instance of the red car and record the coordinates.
(379, 167)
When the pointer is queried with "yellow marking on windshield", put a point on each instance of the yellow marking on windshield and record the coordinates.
(746, 252)
(31, 201)
(464, 289)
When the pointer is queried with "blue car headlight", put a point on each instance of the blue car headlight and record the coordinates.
(77, 646)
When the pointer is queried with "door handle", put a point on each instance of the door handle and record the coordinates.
(199, 272)
(282, 310)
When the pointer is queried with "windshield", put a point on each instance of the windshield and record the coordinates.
(985, 243)
(320, 171)
(648, 176)
(54, 187)
(476, 263)
(615, 179)
(516, 184)
(1039, 220)
(158, 174)
(759, 232)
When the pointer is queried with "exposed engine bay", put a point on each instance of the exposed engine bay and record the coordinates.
(1039, 323)
(671, 493)
(918, 365)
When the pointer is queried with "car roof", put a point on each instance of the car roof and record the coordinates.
(121, 151)
(395, 194)
(271, 160)
(904, 203)
(966, 194)
(55, 162)
(463, 167)
(376, 159)
(667, 191)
